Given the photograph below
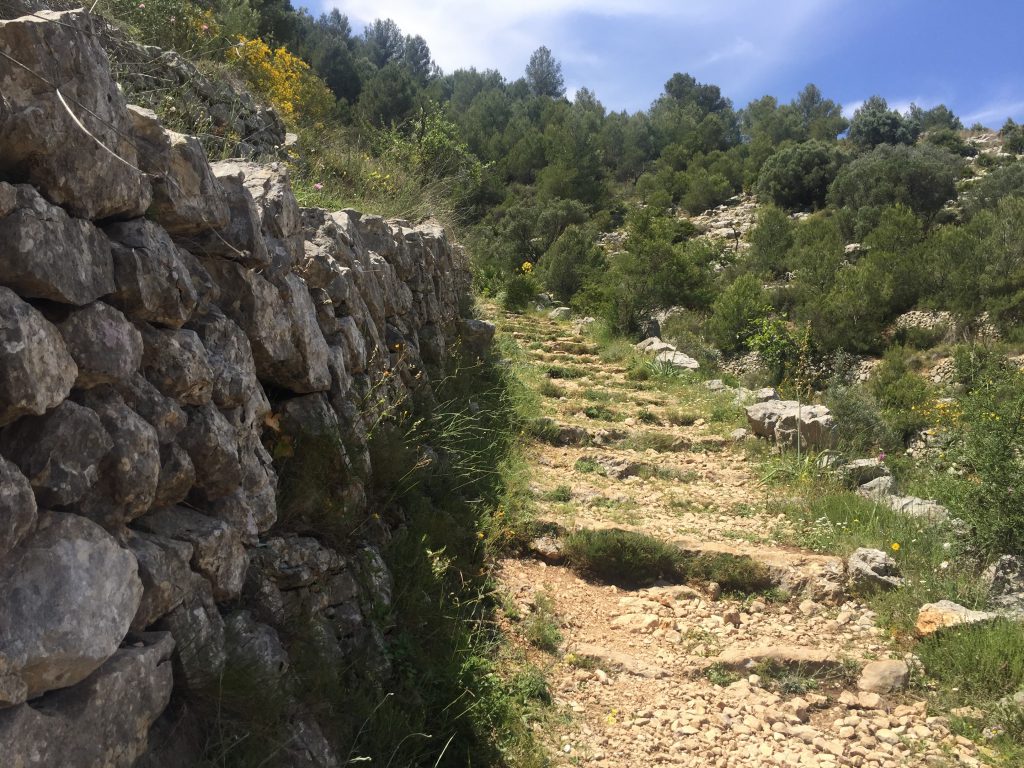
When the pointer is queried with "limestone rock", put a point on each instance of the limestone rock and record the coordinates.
(239, 238)
(164, 572)
(677, 359)
(167, 417)
(795, 658)
(175, 361)
(933, 617)
(129, 473)
(153, 282)
(70, 595)
(1006, 579)
(177, 476)
(17, 507)
(212, 444)
(198, 631)
(879, 489)
(105, 346)
(765, 394)
(187, 199)
(103, 722)
(36, 370)
(860, 471)
(49, 255)
(233, 370)
(217, 551)
(477, 335)
(872, 569)
(560, 313)
(279, 320)
(59, 452)
(654, 346)
(280, 216)
(886, 676)
(926, 509)
(255, 645)
(92, 172)
(784, 420)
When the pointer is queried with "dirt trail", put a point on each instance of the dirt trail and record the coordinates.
(656, 677)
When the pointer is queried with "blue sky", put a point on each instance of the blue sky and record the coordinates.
(969, 56)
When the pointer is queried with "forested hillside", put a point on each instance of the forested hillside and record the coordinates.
(532, 178)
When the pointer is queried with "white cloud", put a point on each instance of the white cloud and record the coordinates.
(994, 114)
(597, 39)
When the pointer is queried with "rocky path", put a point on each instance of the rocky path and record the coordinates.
(681, 676)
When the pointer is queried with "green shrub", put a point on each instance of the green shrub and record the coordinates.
(797, 176)
(922, 178)
(736, 312)
(977, 664)
(619, 557)
(861, 427)
(520, 291)
(902, 393)
(989, 445)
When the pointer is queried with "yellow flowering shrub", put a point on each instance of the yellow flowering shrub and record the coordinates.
(285, 79)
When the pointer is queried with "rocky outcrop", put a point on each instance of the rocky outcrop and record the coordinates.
(873, 570)
(787, 422)
(167, 327)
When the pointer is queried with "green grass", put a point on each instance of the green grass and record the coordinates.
(598, 395)
(588, 466)
(630, 560)
(548, 388)
(600, 413)
(562, 493)
(541, 628)
(565, 372)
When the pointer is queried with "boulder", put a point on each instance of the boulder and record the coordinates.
(198, 631)
(175, 362)
(177, 476)
(808, 661)
(280, 216)
(254, 645)
(36, 370)
(860, 471)
(279, 319)
(167, 417)
(654, 346)
(153, 282)
(217, 551)
(17, 507)
(105, 346)
(239, 238)
(187, 198)
(477, 335)
(103, 722)
(872, 569)
(212, 444)
(59, 452)
(765, 394)
(560, 313)
(879, 489)
(934, 617)
(926, 509)
(70, 595)
(164, 572)
(678, 360)
(49, 255)
(74, 144)
(785, 420)
(1006, 579)
(886, 676)
(130, 472)
(233, 370)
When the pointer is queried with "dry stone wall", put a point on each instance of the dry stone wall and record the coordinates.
(160, 317)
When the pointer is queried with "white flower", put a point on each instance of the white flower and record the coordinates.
(944, 564)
